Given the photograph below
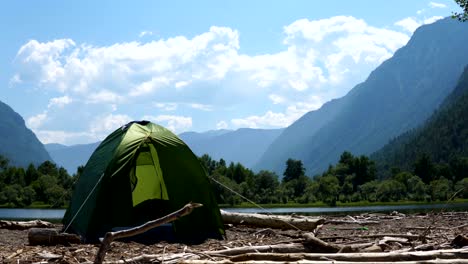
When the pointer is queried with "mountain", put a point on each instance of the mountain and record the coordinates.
(444, 137)
(18, 143)
(244, 145)
(397, 96)
(70, 157)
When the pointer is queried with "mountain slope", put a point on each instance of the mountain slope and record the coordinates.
(18, 143)
(244, 145)
(70, 157)
(397, 96)
(443, 137)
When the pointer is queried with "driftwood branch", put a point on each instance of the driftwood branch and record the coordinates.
(410, 237)
(51, 237)
(303, 223)
(22, 225)
(461, 254)
(111, 236)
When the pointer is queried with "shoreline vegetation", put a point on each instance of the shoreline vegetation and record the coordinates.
(353, 181)
(342, 205)
(288, 205)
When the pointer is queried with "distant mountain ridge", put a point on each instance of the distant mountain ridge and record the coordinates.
(397, 96)
(71, 157)
(245, 145)
(17, 142)
(444, 137)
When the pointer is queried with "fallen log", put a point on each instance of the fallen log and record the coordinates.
(51, 237)
(434, 261)
(302, 223)
(358, 257)
(22, 225)
(410, 237)
(357, 222)
(279, 248)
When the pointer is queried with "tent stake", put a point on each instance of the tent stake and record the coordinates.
(111, 236)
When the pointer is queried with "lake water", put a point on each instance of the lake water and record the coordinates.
(56, 214)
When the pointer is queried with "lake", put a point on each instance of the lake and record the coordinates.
(56, 214)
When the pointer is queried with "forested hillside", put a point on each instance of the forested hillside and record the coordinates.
(18, 143)
(442, 140)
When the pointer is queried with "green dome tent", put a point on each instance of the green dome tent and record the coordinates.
(140, 172)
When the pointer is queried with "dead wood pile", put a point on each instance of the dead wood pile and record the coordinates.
(370, 237)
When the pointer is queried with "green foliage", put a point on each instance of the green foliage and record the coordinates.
(440, 189)
(45, 184)
(463, 16)
(390, 190)
(294, 170)
(329, 189)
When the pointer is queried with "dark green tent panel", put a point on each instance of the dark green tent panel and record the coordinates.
(140, 172)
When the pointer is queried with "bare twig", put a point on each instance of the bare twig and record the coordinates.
(111, 236)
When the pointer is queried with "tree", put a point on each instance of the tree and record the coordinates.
(369, 191)
(3, 163)
(424, 168)
(417, 189)
(464, 15)
(329, 189)
(294, 169)
(440, 189)
(265, 186)
(390, 190)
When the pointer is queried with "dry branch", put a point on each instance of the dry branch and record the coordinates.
(459, 254)
(434, 261)
(411, 237)
(51, 237)
(22, 225)
(279, 248)
(111, 236)
(358, 222)
(303, 223)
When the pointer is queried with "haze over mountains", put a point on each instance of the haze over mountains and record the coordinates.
(397, 96)
(71, 157)
(245, 145)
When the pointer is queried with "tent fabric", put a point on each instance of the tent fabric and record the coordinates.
(142, 167)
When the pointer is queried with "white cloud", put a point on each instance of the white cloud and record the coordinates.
(35, 122)
(437, 5)
(222, 125)
(176, 124)
(409, 24)
(273, 119)
(325, 57)
(59, 102)
(64, 137)
(276, 99)
(166, 106)
(145, 33)
(432, 19)
(181, 84)
(101, 126)
(103, 96)
(202, 107)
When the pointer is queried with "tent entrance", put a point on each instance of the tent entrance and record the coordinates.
(147, 179)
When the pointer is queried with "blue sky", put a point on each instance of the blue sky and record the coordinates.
(77, 70)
